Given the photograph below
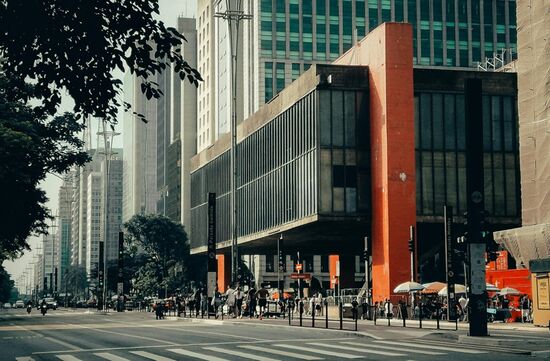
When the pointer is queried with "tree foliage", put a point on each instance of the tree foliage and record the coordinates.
(76, 280)
(50, 48)
(6, 285)
(77, 45)
(31, 146)
(166, 247)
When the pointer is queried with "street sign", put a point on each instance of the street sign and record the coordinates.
(300, 276)
(298, 266)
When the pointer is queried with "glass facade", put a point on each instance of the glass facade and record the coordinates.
(441, 159)
(445, 32)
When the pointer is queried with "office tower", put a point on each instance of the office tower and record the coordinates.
(64, 231)
(140, 152)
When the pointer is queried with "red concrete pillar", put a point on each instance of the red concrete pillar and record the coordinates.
(346, 263)
(387, 51)
(224, 272)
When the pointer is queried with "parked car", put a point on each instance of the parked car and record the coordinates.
(19, 304)
(7, 305)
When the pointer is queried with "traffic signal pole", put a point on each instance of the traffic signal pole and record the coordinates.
(412, 244)
(475, 201)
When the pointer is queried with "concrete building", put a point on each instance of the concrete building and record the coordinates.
(176, 133)
(49, 263)
(96, 219)
(367, 146)
(532, 240)
(64, 232)
(140, 152)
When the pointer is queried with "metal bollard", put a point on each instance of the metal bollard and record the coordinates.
(356, 317)
(313, 316)
(326, 314)
(301, 311)
(438, 310)
(404, 318)
(388, 317)
(341, 312)
(289, 316)
(420, 315)
(375, 314)
(456, 323)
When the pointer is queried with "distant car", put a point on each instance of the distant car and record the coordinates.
(7, 305)
(51, 303)
(19, 304)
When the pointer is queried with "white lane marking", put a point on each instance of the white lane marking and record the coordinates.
(394, 348)
(240, 354)
(110, 356)
(67, 358)
(24, 359)
(355, 349)
(281, 353)
(151, 356)
(431, 347)
(322, 352)
(196, 355)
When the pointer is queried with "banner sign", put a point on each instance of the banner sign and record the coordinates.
(449, 263)
(211, 241)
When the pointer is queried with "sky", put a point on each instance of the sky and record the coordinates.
(169, 12)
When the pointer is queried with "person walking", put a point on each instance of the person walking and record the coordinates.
(252, 302)
(525, 308)
(262, 295)
(239, 302)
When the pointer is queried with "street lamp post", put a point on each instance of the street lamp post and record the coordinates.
(233, 14)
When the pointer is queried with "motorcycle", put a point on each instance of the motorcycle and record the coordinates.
(43, 309)
(29, 309)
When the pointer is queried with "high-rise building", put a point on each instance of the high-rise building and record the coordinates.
(49, 262)
(64, 231)
(284, 38)
(140, 193)
(532, 240)
(97, 186)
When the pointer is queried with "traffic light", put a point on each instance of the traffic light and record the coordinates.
(281, 261)
(411, 239)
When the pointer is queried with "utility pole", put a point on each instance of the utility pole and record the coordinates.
(233, 14)
(412, 246)
(281, 268)
(366, 255)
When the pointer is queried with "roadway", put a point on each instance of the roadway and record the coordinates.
(73, 336)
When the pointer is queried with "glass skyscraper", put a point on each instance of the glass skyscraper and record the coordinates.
(293, 34)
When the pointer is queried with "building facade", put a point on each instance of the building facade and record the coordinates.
(284, 38)
(140, 152)
(532, 240)
(368, 149)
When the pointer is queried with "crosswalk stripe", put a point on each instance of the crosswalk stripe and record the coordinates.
(67, 358)
(24, 359)
(355, 349)
(431, 347)
(196, 355)
(322, 352)
(281, 353)
(110, 356)
(151, 356)
(394, 348)
(240, 354)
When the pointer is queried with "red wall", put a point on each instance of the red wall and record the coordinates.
(387, 51)
(519, 279)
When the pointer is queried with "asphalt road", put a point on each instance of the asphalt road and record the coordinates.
(71, 336)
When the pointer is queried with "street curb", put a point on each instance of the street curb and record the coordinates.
(221, 322)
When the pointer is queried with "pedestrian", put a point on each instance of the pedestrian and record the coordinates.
(197, 302)
(204, 302)
(252, 302)
(388, 308)
(239, 302)
(230, 302)
(262, 295)
(525, 307)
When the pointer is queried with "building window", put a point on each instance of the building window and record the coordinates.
(324, 263)
(270, 263)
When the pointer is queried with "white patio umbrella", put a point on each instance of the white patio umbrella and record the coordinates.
(509, 291)
(491, 287)
(458, 289)
(407, 287)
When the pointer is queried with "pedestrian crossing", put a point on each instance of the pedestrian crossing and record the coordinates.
(276, 351)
